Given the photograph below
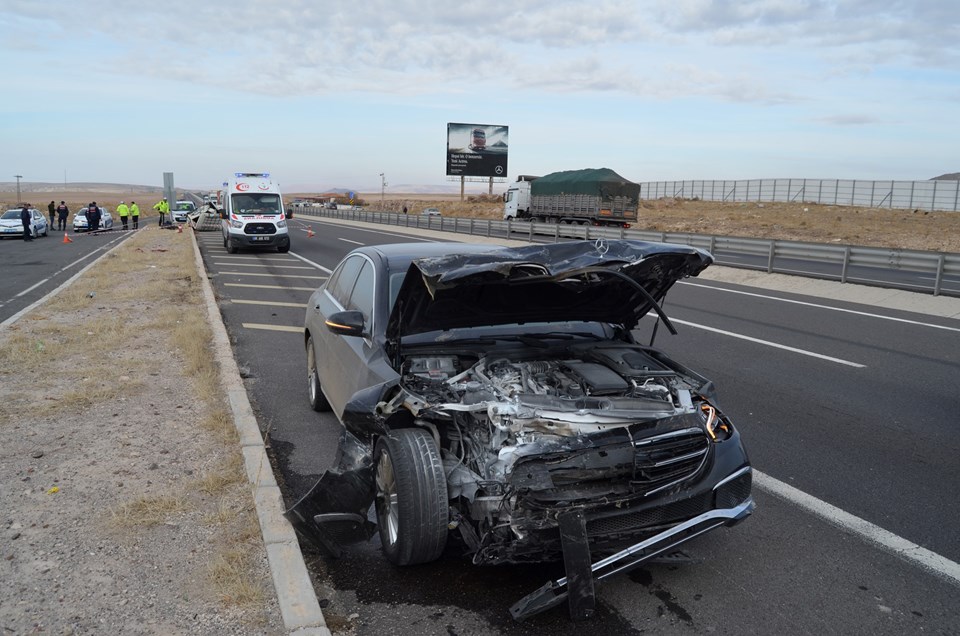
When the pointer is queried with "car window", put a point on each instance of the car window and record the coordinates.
(362, 296)
(345, 278)
(11, 214)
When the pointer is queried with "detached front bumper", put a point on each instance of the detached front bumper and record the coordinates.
(577, 587)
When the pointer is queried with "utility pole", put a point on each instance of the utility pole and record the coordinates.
(18, 177)
(383, 187)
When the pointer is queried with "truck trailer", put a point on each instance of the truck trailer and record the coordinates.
(593, 196)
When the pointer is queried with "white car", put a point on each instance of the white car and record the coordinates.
(80, 223)
(431, 212)
(11, 225)
(181, 211)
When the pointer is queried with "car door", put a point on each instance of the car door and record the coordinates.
(333, 354)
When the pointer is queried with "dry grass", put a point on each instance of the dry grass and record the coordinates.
(147, 511)
(220, 479)
(230, 576)
(220, 423)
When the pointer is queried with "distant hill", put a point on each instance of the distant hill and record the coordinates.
(950, 176)
(38, 186)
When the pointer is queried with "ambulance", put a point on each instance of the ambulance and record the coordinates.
(253, 214)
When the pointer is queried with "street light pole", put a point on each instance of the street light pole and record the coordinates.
(383, 187)
(18, 177)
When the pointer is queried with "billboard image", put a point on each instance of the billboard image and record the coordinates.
(476, 150)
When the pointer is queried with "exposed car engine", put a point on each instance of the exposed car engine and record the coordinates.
(499, 412)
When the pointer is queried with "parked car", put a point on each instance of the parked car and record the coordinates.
(80, 220)
(431, 212)
(11, 225)
(497, 400)
(181, 211)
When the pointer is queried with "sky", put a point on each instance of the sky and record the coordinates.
(332, 94)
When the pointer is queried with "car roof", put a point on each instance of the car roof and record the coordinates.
(395, 253)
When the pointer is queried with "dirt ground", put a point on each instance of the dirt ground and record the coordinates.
(124, 506)
(847, 225)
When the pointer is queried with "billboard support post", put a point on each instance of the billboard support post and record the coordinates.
(462, 182)
(490, 187)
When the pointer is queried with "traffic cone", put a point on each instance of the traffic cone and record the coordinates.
(309, 233)
(67, 239)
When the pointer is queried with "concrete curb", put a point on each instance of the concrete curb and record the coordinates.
(298, 603)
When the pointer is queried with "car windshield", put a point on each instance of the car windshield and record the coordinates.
(256, 203)
(11, 214)
(186, 206)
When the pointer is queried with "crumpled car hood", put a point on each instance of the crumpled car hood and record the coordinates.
(571, 281)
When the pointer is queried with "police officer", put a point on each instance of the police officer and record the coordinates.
(62, 212)
(135, 214)
(122, 212)
(93, 217)
(25, 219)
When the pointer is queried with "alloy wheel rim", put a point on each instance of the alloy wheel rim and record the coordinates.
(387, 497)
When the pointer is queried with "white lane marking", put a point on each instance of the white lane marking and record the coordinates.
(269, 275)
(31, 288)
(308, 261)
(252, 258)
(767, 343)
(818, 306)
(261, 265)
(874, 534)
(257, 325)
(309, 289)
(349, 241)
(266, 302)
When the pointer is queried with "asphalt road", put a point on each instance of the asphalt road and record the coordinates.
(858, 410)
(31, 270)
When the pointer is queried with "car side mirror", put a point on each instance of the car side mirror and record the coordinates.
(346, 323)
(288, 214)
(223, 214)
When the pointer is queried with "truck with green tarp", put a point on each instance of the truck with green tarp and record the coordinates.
(593, 196)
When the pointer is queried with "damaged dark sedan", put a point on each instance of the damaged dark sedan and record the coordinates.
(496, 400)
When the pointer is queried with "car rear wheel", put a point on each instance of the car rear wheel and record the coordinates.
(411, 498)
(317, 400)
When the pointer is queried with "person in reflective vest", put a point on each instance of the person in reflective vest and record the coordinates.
(123, 211)
(163, 207)
(135, 214)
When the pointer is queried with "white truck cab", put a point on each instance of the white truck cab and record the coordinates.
(253, 214)
(516, 200)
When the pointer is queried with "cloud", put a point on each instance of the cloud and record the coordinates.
(849, 120)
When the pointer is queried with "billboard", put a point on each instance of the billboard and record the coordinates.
(476, 150)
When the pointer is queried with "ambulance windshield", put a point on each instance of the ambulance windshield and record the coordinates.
(256, 203)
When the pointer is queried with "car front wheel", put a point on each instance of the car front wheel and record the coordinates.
(411, 498)
(317, 400)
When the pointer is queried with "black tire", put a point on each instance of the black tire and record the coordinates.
(411, 498)
(224, 242)
(231, 246)
(318, 402)
(283, 249)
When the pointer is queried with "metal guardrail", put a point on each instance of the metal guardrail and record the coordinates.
(934, 194)
(773, 251)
